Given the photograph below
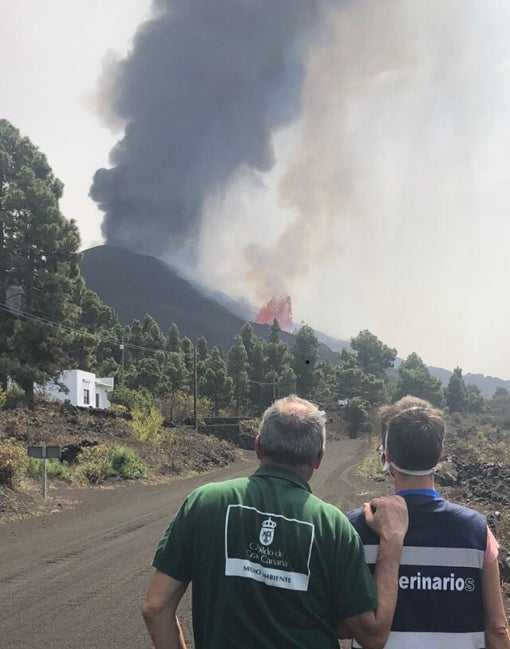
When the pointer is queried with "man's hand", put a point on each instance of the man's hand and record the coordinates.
(387, 516)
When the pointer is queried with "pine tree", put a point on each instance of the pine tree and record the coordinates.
(215, 383)
(259, 397)
(188, 349)
(373, 356)
(40, 281)
(456, 394)
(248, 337)
(277, 353)
(173, 338)
(99, 350)
(475, 402)
(176, 372)
(305, 359)
(153, 337)
(237, 363)
(287, 382)
(352, 381)
(414, 378)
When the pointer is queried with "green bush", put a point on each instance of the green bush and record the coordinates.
(146, 426)
(33, 468)
(131, 399)
(55, 469)
(97, 463)
(177, 406)
(119, 408)
(14, 398)
(127, 464)
(13, 462)
(94, 463)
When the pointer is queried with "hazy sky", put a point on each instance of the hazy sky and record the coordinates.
(51, 57)
(387, 208)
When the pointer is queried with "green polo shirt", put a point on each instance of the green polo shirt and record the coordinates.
(272, 566)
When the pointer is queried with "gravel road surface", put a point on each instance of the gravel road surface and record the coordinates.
(76, 578)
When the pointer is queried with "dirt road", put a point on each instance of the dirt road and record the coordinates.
(76, 578)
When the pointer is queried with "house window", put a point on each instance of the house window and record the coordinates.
(97, 401)
(86, 396)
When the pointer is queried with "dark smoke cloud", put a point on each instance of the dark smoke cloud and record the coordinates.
(206, 85)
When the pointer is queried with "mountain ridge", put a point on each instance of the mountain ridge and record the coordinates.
(134, 284)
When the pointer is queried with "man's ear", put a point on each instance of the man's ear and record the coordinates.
(387, 459)
(316, 464)
(257, 446)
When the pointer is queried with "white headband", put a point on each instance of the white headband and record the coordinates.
(412, 471)
(406, 471)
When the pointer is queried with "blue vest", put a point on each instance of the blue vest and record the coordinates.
(440, 591)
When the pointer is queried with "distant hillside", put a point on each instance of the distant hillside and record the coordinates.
(134, 284)
(486, 384)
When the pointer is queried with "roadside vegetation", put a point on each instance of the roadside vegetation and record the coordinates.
(100, 446)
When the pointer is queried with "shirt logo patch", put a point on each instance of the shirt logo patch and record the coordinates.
(266, 535)
(267, 547)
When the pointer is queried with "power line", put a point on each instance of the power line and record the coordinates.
(120, 342)
(81, 332)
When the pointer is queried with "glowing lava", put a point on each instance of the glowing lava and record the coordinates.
(279, 308)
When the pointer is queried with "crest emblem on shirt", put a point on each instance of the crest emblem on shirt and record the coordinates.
(267, 528)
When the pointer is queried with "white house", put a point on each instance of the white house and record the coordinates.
(85, 389)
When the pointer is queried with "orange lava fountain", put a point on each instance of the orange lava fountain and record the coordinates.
(279, 308)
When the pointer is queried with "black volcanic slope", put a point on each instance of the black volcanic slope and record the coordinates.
(134, 284)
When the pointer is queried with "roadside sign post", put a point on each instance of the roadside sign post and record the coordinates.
(44, 479)
(44, 453)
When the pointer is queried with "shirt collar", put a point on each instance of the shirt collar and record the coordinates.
(431, 493)
(284, 473)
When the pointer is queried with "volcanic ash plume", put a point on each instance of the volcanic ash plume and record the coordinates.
(204, 88)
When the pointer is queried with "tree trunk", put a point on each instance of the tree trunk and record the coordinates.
(3, 286)
(28, 389)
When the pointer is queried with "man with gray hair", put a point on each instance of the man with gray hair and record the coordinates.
(273, 566)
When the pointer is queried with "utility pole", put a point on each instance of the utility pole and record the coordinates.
(195, 387)
(122, 362)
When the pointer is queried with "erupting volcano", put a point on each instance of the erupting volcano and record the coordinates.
(279, 308)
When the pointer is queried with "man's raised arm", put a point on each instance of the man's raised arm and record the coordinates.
(388, 517)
